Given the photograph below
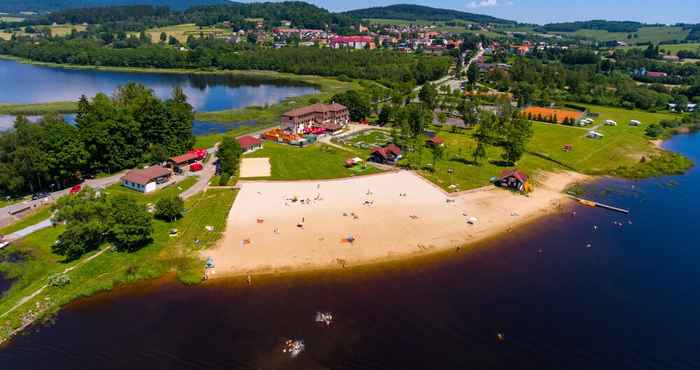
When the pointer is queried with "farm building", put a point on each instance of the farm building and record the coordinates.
(513, 179)
(552, 115)
(146, 180)
(249, 143)
(389, 154)
(435, 141)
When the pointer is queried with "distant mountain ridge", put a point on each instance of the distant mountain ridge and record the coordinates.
(16, 6)
(411, 12)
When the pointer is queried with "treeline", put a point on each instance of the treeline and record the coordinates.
(131, 128)
(16, 6)
(610, 26)
(411, 12)
(388, 67)
(142, 17)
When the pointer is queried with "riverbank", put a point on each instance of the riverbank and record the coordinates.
(365, 220)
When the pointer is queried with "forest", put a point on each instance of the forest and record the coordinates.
(388, 67)
(129, 129)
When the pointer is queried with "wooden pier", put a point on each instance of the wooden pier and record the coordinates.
(594, 204)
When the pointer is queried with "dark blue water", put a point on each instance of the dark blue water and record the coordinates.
(198, 127)
(630, 301)
(38, 84)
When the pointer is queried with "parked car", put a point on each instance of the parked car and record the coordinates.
(194, 167)
(75, 189)
(40, 195)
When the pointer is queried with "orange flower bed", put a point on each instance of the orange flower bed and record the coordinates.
(548, 113)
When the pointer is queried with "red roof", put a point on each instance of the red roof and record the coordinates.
(349, 39)
(389, 149)
(190, 156)
(657, 74)
(316, 108)
(521, 176)
(146, 175)
(436, 140)
(248, 141)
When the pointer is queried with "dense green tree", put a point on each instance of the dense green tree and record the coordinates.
(130, 226)
(229, 155)
(78, 239)
(428, 95)
(170, 208)
(358, 104)
(517, 133)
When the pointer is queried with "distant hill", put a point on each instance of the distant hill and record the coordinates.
(610, 26)
(419, 12)
(16, 6)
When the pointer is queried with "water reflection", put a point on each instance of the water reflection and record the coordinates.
(36, 84)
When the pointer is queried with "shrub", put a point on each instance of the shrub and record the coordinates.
(59, 280)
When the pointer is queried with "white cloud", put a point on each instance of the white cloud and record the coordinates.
(483, 4)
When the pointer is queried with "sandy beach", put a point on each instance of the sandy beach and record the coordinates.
(278, 226)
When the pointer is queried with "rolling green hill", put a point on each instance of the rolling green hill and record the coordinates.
(418, 12)
(16, 6)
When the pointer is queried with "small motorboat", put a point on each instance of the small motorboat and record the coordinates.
(324, 317)
(293, 347)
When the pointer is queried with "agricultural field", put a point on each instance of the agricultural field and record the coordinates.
(675, 48)
(182, 31)
(315, 162)
(60, 30)
(644, 35)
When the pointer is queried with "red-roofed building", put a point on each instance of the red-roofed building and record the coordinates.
(514, 179)
(317, 115)
(435, 141)
(249, 143)
(187, 158)
(146, 180)
(389, 154)
(352, 42)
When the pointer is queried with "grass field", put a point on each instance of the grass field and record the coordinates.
(164, 255)
(675, 48)
(182, 31)
(38, 109)
(623, 145)
(59, 30)
(11, 19)
(645, 34)
(314, 162)
(367, 139)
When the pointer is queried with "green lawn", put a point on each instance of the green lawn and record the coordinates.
(170, 190)
(623, 145)
(165, 254)
(37, 216)
(367, 139)
(314, 162)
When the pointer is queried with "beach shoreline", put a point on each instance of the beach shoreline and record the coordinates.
(266, 244)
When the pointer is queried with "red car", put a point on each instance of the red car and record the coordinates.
(75, 189)
(194, 167)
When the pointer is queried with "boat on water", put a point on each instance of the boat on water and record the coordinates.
(324, 317)
(293, 347)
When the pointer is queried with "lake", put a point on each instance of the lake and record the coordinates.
(629, 301)
(199, 128)
(213, 92)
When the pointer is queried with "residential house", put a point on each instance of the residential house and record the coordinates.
(146, 180)
(352, 42)
(249, 143)
(389, 154)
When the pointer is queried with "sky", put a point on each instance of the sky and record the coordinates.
(548, 11)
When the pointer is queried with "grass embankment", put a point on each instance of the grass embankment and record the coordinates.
(675, 48)
(37, 216)
(164, 255)
(38, 108)
(315, 162)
